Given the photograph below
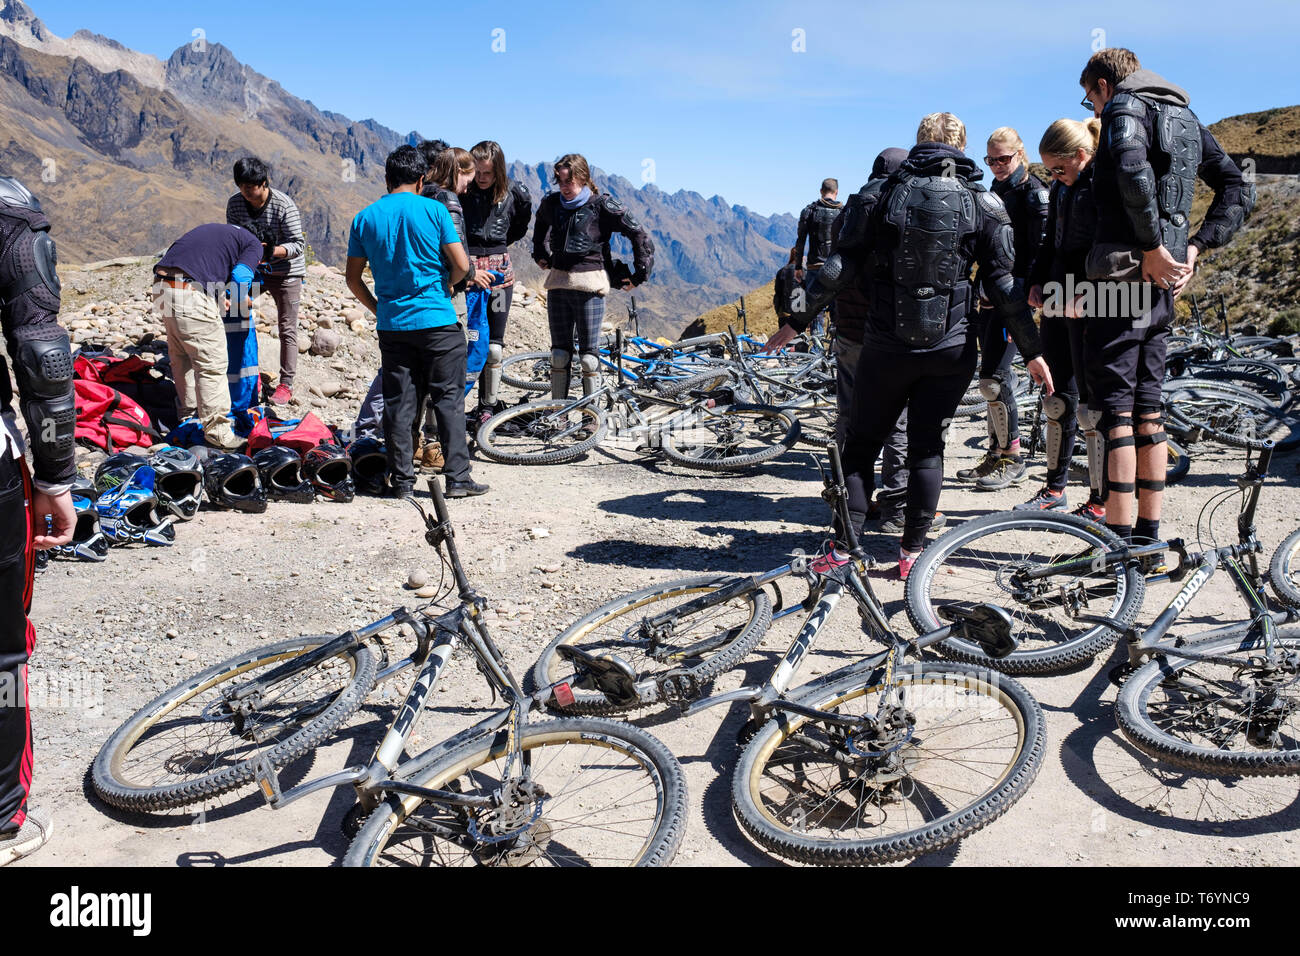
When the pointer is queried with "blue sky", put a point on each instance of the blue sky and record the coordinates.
(718, 98)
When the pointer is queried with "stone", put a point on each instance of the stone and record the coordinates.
(417, 578)
(325, 322)
(325, 342)
(539, 533)
(330, 389)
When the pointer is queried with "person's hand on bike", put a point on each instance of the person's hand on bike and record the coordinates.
(1160, 267)
(780, 339)
(1035, 297)
(1181, 284)
(63, 519)
(1041, 374)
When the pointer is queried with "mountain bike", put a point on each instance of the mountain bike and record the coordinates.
(509, 791)
(875, 762)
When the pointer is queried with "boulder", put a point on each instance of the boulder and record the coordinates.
(325, 342)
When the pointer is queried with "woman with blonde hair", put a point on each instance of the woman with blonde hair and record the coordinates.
(571, 240)
(1025, 198)
(1057, 278)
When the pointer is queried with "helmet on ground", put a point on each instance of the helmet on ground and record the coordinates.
(116, 469)
(88, 540)
(329, 469)
(280, 469)
(178, 481)
(129, 514)
(232, 481)
(369, 465)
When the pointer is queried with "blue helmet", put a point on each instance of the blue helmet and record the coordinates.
(128, 513)
(88, 540)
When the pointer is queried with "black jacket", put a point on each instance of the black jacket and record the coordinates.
(816, 222)
(577, 240)
(449, 199)
(491, 227)
(1071, 225)
(1026, 199)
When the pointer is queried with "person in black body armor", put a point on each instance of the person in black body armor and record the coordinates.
(931, 223)
(1026, 199)
(571, 240)
(1151, 151)
(497, 213)
(36, 511)
(816, 230)
(1056, 281)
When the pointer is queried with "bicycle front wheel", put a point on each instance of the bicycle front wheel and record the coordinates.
(190, 743)
(547, 432)
(1238, 714)
(953, 747)
(531, 371)
(700, 645)
(731, 439)
(611, 795)
(1284, 570)
(986, 561)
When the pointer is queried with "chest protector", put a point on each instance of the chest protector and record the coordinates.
(823, 217)
(1076, 216)
(1176, 139)
(932, 217)
(485, 219)
(581, 230)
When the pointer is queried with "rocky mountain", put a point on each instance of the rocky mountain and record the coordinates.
(128, 151)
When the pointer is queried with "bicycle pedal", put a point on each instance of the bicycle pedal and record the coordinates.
(268, 781)
(679, 688)
(1120, 673)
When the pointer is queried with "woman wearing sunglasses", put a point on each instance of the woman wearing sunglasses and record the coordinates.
(1025, 197)
(1056, 279)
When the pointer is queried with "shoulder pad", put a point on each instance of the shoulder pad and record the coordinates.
(991, 204)
(612, 204)
(1126, 104)
(1039, 197)
(520, 190)
(14, 193)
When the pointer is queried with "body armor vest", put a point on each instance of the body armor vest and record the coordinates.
(1175, 149)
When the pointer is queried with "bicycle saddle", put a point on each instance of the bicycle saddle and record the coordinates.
(987, 625)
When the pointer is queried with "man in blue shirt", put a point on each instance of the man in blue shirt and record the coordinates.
(416, 257)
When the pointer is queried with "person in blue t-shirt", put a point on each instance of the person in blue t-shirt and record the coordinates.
(416, 257)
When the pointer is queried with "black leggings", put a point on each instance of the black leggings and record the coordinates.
(996, 356)
(499, 300)
(929, 385)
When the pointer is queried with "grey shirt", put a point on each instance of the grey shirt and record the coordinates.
(278, 223)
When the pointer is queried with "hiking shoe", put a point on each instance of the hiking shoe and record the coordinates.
(1008, 470)
(27, 839)
(1045, 500)
(222, 436)
(1091, 511)
(281, 395)
(894, 523)
(465, 489)
(431, 457)
(905, 562)
(981, 468)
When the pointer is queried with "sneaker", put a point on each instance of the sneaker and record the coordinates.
(1091, 511)
(281, 395)
(981, 467)
(830, 560)
(905, 562)
(27, 839)
(1008, 470)
(465, 489)
(1045, 500)
(894, 524)
(431, 457)
(401, 489)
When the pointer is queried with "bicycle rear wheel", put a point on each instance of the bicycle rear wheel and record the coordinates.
(531, 371)
(731, 439)
(1238, 714)
(985, 560)
(546, 432)
(962, 745)
(614, 796)
(189, 744)
(1284, 570)
(700, 645)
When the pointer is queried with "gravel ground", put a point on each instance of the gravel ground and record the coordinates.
(113, 635)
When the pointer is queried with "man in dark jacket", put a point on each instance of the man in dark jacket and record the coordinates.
(816, 229)
(35, 510)
(1152, 150)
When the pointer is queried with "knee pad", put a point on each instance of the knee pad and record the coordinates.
(1057, 408)
(1158, 437)
(1109, 422)
(990, 388)
(590, 373)
(560, 368)
(1090, 421)
(560, 359)
(921, 460)
(1000, 423)
(494, 353)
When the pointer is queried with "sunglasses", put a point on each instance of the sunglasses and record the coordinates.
(999, 160)
(1056, 170)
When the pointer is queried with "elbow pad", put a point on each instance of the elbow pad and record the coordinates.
(1137, 181)
(44, 369)
(1013, 310)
